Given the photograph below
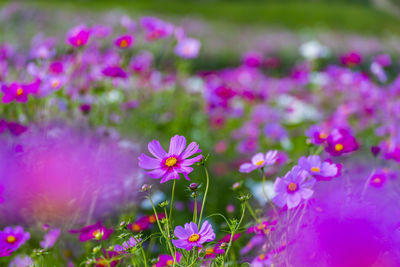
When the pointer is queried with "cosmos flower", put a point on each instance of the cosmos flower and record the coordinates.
(165, 260)
(140, 224)
(109, 259)
(78, 36)
(262, 260)
(114, 72)
(141, 63)
(259, 161)
(221, 246)
(190, 236)
(127, 245)
(124, 41)
(156, 28)
(316, 135)
(21, 261)
(252, 59)
(11, 239)
(351, 59)
(314, 166)
(92, 232)
(19, 92)
(50, 238)
(292, 188)
(188, 48)
(339, 142)
(168, 166)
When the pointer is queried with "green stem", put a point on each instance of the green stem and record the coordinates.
(161, 230)
(205, 195)
(195, 210)
(172, 200)
(234, 231)
(253, 214)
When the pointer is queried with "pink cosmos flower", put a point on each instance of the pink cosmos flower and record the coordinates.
(156, 28)
(314, 166)
(50, 238)
(141, 63)
(316, 135)
(92, 232)
(124, 41)
(190, 236)
(127, 245)
(188, 48)
(292, 188)
(351, 59)
(259, 160)
(12, 239)
(168, 166)
(165, 260)
(19, 92)
(78, 36)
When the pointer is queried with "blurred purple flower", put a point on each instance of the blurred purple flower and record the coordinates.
(259, 161)
(92, 232)
(50, 238)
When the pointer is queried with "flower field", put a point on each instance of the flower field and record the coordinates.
(134, 139)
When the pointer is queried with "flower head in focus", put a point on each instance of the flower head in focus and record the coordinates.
(11, 239)
(339, 142)
(315, 167)
(292, 188)
(168, 166)
(190, 236)
(259, 160)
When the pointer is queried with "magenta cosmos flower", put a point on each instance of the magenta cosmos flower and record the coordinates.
(124, 41)
(19, 92)
(78, 36)
(190, 236)
(259, 160)
(292, 188)
(168, 166)
(95, 231)
(167, 260)
(339, 142)
(314, 166)
(11, 239)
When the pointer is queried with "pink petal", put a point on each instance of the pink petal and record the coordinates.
(156, 149)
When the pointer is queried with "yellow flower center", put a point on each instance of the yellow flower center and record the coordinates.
(123, 43)
(135, 227)
(152, 219)
(259, 163)
(11, 239)
(194, 238)
(171, 161)
(377, 180)
(315, 169)
(260, 226)
(261, 257)
(339, 147)
(170, 262)
(323, 135)
(98, 234)
(55, 83)
(292, 187)
(79, 42)
(20, 91)
(209, 251)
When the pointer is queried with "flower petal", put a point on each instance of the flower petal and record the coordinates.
(156, 149)
(192, 148)
(147, 162)
(177, 145)
(247, 168)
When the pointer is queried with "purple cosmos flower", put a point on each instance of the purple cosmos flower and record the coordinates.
(156, 28)
(190, 236)
(11, 239)
(314, 166)
(78, 36)
(114, 72)
(167, 260)
(141, 63)
(379, 178)
(127, 245)
(351, 59)
(292, 188)
(252, 59)
(168, 166)
(188, 48)
(339, 142)
(259, 160)
(262, 260)
(124, 41)
(316, 135)
(95, 231)
(19, 92)
(50, 238)
(21, 261)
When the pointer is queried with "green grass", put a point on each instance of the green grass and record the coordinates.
(353, 16)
